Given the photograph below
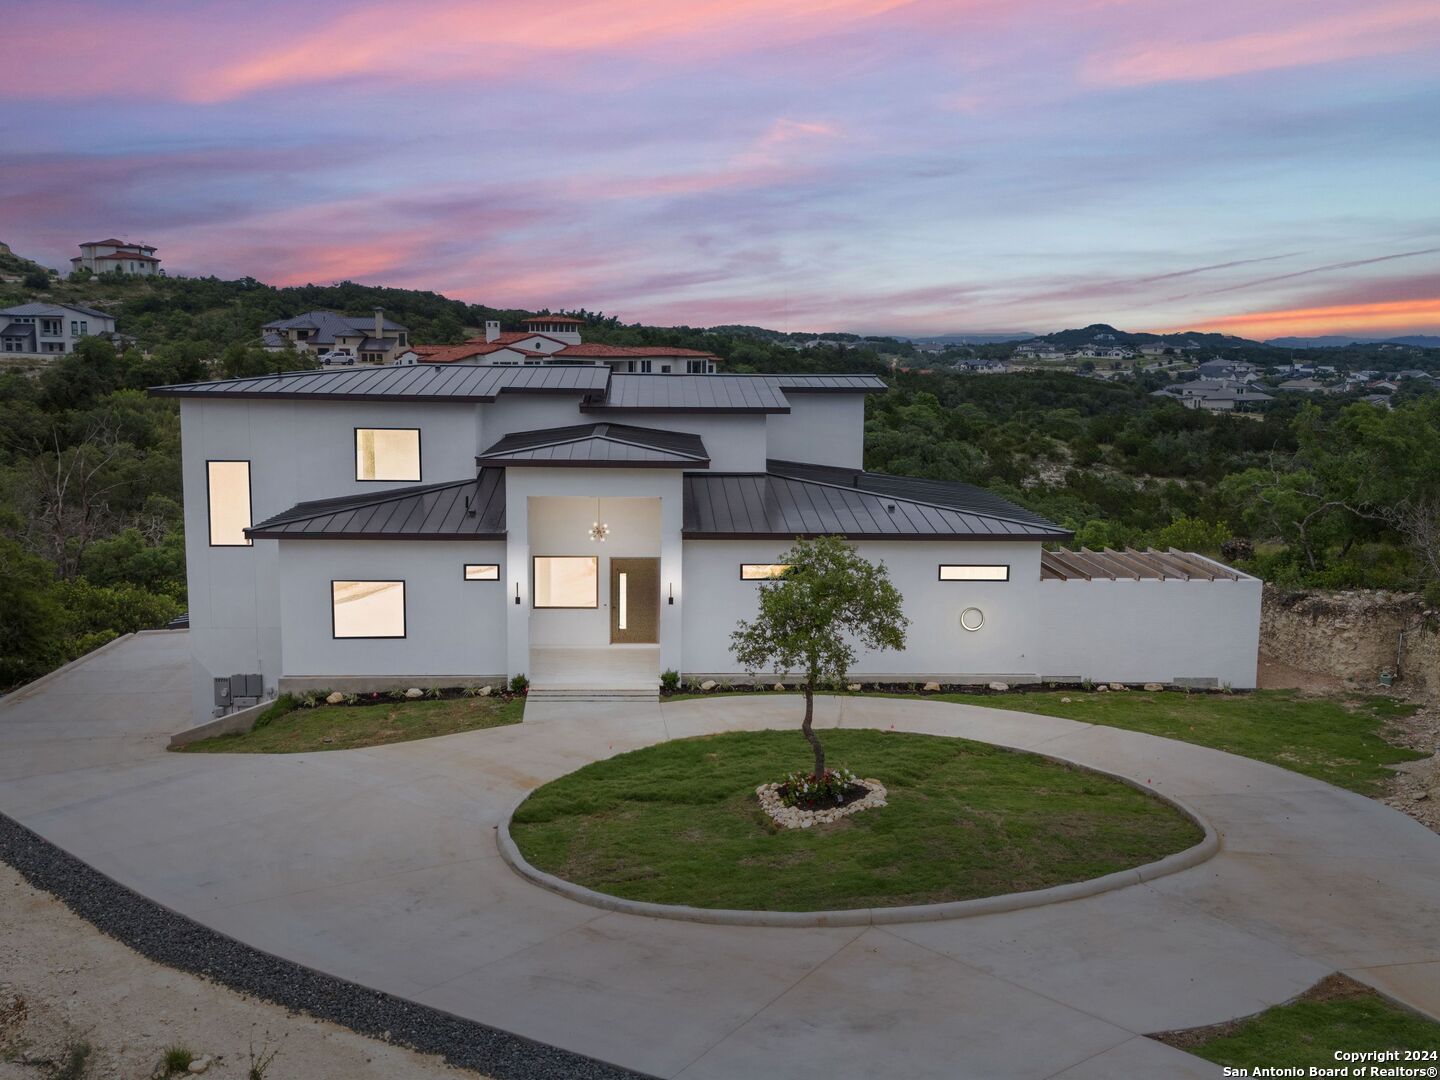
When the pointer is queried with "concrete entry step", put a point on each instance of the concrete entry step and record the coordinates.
(575, 693)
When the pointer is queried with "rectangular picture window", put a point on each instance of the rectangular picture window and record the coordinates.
(762, 571)
(227, 486)
(567, 581)
(969, 572)
(482, 572)
(387, 454)
(368, 609)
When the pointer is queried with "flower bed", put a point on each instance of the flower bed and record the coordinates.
(789, 813)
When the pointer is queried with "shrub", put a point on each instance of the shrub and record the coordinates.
(176, 1059)
(808, 792)
(285, 703)
(313, 699)
(670, 681)
(519, 684)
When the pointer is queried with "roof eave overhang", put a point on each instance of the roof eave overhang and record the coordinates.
(527, 463)
(908, 537)
(280, 534)
(601, 407)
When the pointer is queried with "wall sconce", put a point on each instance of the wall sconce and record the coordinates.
(672, 593)
(517, 592)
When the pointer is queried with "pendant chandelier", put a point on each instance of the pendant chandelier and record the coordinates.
(599, 530)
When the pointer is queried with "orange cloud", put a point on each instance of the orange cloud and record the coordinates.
(1391, 315)
(1374, 31)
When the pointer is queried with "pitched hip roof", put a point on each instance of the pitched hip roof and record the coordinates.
(600, 445)
(793, 501)
(722, 393)
(416, 382)
(458, 510)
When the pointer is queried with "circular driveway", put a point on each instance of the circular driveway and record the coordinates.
(381, 866)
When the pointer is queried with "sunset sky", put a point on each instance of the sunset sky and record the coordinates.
(1260, 167)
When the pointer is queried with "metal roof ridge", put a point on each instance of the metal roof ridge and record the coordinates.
(920, 502)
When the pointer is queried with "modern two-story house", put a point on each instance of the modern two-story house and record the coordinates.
(50, 329)
(452, 524)
(371, 339)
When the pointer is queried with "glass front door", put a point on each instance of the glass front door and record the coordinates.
(634, 601)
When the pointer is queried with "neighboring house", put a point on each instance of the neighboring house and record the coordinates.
(1304, 386)
(466, 523)
(550, 340)
(1380, 401)
(50, 329)
(101, 256)
(1215, 395)
(371, 339)
(1232, 370)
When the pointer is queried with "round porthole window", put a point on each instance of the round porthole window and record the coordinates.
(972, 618)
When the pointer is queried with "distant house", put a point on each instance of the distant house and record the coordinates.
(1413, 373)
(50, 329)
(102, 256)
(370, 339)
(550, 341)
(1380, 401)
(1304, 386)
(1214, 395)
(1232, 370)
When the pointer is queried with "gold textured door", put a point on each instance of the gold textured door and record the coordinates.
(634, 601)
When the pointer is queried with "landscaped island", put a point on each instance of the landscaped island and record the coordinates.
(680, 823)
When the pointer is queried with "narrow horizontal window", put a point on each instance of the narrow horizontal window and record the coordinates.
(482, 572)
(227, 485)
(368, 609)
(762, 571)
(567, 581)
(969, 572)
(387, 453)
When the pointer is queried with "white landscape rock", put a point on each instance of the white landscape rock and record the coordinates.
(708, 685)
(1153, 687)
(792, 817)
(932, 687)
(335, 698)
(853, 687)
(1000, 686)
(1064, 701)
(1117, 686)
(486, 690)
(778, 686)
(414, 692)
(199, 1065)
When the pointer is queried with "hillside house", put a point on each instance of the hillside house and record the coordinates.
(551, 340)
(372, 339)
(102, 256)
(50, 329)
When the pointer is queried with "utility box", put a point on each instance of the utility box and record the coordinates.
(246, 690)
(222, 693)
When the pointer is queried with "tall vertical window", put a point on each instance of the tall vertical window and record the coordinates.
(228, 495)
(367, 609)
(567, 581)
(387, 453)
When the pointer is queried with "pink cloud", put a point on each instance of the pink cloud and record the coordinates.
(1379, 30)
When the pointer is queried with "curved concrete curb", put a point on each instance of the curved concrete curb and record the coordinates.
(1194, 855)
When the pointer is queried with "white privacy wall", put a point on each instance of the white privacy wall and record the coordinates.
(823, 429)
(1006, 646)
(1152, 631)
(452, 626)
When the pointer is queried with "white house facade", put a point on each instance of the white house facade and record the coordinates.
(117, 256)
(459, 524)
(50, 329)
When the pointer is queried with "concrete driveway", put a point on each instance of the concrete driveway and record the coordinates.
(380, 866)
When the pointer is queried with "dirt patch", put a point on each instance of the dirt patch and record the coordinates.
(1278, 675)
(1336, 987)
(62, 981)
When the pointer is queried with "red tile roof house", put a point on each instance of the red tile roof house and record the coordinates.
(552, 340)
(100, 256)
(458, 523)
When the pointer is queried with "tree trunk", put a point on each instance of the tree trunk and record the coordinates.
(809, 730)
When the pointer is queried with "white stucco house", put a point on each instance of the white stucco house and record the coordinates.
(118, 256)
(461, 523)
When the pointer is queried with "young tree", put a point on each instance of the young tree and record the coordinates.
(828, 601)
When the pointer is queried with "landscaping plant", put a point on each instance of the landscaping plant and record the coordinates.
(828, 601)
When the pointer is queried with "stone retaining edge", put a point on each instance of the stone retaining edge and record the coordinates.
(1192, 856)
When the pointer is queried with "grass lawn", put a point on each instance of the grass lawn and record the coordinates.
(349, 727)
(1331, 739)
(679, 823)
(1335, 1014)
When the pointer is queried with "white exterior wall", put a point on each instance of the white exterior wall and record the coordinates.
(822, 429)
(1007, 645)
(452, 626)
(1152, 631)
(297, 451)
(736, 442)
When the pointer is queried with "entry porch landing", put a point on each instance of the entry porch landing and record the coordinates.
(613, 668)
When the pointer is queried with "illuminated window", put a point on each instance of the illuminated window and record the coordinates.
(368, 609)
(482, 572)
(567, 581)
(228, 493)
(967, 572)
(387, 453)
(762, 571)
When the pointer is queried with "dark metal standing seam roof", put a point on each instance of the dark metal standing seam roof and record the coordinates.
(458, 510)
(722, 393)
(770, 506)
(418, 382)
(600, 445)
